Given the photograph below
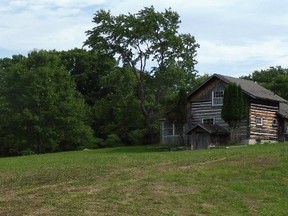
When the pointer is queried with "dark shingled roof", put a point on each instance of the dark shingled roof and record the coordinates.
(211, 129)
(249, 87)
(252, 89)
(283, 110)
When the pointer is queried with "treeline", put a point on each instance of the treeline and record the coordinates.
(57, 101)
(112, 93)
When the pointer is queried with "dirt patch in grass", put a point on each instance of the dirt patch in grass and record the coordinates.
(202, 163)
(264, 162)
(7, 195)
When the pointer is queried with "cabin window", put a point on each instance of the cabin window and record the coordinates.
(217, 98)
(259, 121)
(275, 122)
(208, 121)
(169, 129)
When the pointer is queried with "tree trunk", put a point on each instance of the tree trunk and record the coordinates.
(142, 95)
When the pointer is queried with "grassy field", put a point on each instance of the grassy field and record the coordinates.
(249, 180)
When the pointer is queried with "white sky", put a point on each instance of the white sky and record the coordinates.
(236, 37)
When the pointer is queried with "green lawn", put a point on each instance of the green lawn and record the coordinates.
(249, 180)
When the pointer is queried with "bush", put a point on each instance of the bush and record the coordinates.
(112, 140)
(27, 152)
(136, 137)
(97, 142)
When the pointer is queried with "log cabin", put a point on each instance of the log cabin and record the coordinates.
(266, 117)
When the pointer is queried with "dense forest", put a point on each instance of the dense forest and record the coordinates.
(131, 71)
(112, 91)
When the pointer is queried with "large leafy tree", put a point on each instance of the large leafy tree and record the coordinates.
(87, 68)
(273, 78)
(147, 42)
(110, 93)
(280, 85)
(40, 108)
(233, 109)
(118, 112)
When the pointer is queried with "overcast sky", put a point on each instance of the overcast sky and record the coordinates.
(236, 37)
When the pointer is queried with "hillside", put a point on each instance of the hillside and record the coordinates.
(249, 180)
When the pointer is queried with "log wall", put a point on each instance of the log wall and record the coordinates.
(268, 130)
(204, 109)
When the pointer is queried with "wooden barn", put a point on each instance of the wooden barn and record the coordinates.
(266, 118)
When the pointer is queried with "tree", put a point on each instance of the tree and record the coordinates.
(279, 85)
(149, 44)
(41, 111)
(87, 68)
(233, 109)
(274, 78)
(118, 112)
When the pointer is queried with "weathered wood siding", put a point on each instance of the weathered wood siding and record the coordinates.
(268, 130)
(201, 140)
(205, 93)
(201, 104)
(201, 107)
(200, 110)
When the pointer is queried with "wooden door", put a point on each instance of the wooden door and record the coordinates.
(201, 140)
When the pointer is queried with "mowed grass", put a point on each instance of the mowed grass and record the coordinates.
(249, 180)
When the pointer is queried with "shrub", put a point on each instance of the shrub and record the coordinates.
(112, 140)
(27, 152)
(136, 136)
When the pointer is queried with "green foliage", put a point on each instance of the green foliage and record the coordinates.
(137, 136)
(41, 110)
(144, 39)
(233, 108)
(274, 78)
(112, 140)
(56, 101)
(199, 80)
(181, 110)
(145, 35)
(87, 69)
(279, 85)
(27, 152)
(118, 111)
